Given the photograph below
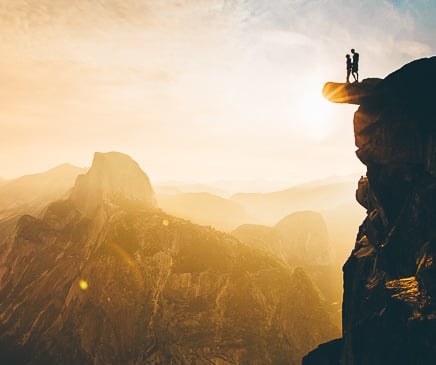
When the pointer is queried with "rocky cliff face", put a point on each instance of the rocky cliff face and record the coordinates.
(389, 306)
(114, 178)
(99, 281)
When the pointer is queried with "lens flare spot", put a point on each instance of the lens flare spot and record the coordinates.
(83, 284)
(165, 222)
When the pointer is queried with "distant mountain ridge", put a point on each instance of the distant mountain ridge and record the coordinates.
(332, 198)
(184, 187)
(30, 194)
(45, 185)
(270, 207)
(205, 208)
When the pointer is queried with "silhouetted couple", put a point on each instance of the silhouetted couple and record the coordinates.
(352, 66)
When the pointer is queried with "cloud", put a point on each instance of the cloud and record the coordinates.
(413, 49)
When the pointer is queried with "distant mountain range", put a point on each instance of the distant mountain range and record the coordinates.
(104, 276)
(270, 207)
(181, 187)
(227, 188)
(333, 198)
(205, 204)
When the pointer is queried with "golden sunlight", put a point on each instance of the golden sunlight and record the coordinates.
(316, 112)
(83, 284)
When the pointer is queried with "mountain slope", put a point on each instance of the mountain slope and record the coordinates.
(30, 194)
(301, 240)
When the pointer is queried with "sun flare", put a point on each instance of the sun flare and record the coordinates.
(83, 284)
(316, 114)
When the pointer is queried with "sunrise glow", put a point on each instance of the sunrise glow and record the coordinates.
(189, 82)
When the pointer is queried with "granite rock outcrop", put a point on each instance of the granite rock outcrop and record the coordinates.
(116, 179)
(389, 302)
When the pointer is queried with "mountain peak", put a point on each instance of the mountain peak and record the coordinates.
(114, 178)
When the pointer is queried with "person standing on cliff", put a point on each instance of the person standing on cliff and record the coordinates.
(349, 67)
(355, 67)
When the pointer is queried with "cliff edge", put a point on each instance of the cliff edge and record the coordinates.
(389, 303)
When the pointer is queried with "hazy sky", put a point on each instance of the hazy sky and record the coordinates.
(194, 89)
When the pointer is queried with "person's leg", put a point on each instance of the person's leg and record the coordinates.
(354, 75)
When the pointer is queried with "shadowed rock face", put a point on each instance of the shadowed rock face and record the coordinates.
(159, 289)
(389, 306)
